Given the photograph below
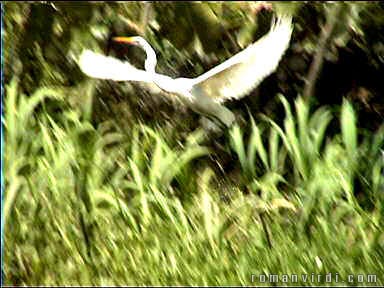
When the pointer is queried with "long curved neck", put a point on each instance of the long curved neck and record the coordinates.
(151, 61)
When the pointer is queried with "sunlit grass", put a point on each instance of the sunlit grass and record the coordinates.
(91, 205)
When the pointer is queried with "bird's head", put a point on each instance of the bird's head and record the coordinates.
(133, 40)
(150, 62)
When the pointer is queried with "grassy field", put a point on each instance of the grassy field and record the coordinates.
(90, 205)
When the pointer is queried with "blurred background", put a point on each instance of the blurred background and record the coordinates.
(111, 184)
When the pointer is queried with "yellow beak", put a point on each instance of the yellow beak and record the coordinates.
(121, 39)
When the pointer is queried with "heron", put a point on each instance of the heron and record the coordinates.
(234, 78)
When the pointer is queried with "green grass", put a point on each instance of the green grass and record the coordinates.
(89, 205)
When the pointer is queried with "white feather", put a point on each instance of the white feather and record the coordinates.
(237, 76)
(105, 67)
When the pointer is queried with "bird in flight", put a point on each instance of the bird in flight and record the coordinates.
(233, 79)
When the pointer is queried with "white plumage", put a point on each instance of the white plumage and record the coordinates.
(103, 67)
(232, 79)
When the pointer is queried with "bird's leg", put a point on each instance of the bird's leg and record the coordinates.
(218, 123)
(213, 133)
(211, 125)
(204, 105)
(225, 116)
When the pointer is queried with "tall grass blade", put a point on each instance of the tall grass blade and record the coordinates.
(348, 128)
(256, 145)
(237, 143)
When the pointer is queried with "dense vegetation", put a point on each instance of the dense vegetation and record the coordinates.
(106, 184)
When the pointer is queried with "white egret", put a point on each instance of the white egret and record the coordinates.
(232, 79)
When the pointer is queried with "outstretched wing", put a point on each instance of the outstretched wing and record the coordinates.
(105, 67)
(99, 66)
(237, 76)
